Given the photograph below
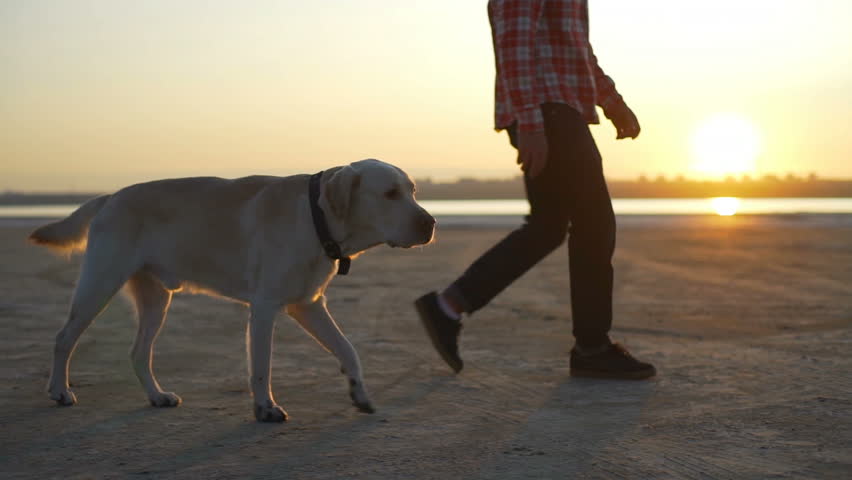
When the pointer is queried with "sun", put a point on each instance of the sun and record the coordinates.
(725, 144)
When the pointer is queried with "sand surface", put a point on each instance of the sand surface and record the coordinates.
(748, 320)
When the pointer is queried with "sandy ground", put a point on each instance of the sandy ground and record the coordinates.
(749, 321)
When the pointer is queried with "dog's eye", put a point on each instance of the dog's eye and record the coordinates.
(392, 194)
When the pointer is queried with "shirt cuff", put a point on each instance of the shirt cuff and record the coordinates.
(609, 98)
(531, 119)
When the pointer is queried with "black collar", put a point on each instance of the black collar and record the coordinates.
(332, 249)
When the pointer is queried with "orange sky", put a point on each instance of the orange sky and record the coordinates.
(99, 94)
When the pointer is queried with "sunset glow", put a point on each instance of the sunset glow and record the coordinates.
(725, 206)
(101, 94)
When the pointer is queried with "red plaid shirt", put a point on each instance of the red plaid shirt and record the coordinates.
(543, 55)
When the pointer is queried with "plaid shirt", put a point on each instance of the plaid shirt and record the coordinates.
(543, 54)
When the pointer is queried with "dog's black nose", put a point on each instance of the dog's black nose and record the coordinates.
(428, 221)
(427, 225)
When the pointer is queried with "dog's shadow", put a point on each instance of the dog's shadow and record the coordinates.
(298, 441)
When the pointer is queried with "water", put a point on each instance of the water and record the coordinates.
(622, 206)
(657, 206)
(36, 211)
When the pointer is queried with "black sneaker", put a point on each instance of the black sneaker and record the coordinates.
(443, 330)
(613, 362)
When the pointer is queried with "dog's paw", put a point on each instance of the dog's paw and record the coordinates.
(364, 407)
(359, 398)
(270, 413)
(165, 399)
(64, 398)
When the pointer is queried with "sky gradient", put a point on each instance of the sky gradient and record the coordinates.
(95, 95)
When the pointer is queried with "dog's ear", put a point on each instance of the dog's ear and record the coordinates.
(340, 188)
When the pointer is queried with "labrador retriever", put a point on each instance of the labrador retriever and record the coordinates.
(254, 240)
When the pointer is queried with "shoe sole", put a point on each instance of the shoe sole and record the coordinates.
(455, 364)
(637, 375)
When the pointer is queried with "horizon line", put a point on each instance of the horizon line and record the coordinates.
(660, 178)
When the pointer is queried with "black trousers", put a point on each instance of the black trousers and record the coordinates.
(569, 197)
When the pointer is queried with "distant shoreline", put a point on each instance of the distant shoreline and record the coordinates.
(769, 186)
(512, 188)
(688, 221)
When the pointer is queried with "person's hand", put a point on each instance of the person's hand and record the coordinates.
(532, 152)
(625, 121)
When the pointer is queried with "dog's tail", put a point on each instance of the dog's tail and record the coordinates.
(71, 233)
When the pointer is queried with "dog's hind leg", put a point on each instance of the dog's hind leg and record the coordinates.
(259, 339)
(152, 302)
(101, 276)
(317, 321)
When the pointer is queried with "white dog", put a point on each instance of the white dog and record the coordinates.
(258, 240)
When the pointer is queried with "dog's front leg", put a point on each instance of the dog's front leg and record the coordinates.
(316, 320)
(260, 327)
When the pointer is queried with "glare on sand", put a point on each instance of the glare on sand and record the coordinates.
(725, 144)
(725, 206)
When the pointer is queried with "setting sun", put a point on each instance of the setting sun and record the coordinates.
(725, 144)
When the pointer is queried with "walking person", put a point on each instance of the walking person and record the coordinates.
(548, 84)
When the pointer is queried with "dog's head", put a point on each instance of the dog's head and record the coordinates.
(375, 199)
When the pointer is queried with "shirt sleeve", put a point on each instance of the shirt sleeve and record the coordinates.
(607, 96)
(514, 24)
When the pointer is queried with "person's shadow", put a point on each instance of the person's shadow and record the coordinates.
(574, 431)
